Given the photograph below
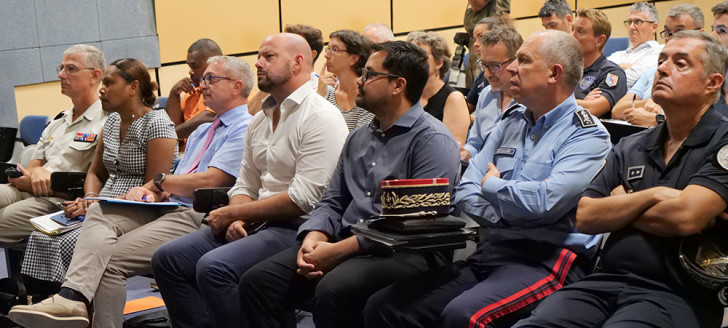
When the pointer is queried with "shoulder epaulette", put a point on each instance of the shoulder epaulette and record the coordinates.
(60, 115)
(510, 109)
(585, 118)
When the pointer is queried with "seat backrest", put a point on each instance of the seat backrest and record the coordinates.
(7, 143)
(160, 103)
(615, 44)
(27, 155)
(31, 128)
(619, 129)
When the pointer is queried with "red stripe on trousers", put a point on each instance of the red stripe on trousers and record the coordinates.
(475, 322)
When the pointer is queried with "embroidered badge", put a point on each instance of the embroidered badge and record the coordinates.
(586, 82)
(611, 80)
(635, 172)
(585, 118)
(721, 157)
(85, 137)
(505, 151)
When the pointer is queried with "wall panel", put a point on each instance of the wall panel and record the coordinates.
(412, 15)
(332, 15)
(18, 17)
(66, 22)
(237, 26)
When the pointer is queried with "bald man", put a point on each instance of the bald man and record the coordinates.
(378, 33)
(290, 154)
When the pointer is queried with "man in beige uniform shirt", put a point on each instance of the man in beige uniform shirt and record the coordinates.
(67, 144)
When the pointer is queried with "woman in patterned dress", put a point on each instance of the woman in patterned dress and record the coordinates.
(136, 143)
(346, 55)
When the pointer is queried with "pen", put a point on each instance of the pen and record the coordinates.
(634, 97)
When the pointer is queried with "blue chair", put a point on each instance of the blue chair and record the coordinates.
(615, 44)
(160, 103)
(31, 128)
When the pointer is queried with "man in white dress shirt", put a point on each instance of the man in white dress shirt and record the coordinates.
(643, 50)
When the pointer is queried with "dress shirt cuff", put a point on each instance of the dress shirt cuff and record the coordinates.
(238, 190)
(491, 187)
(305, 193)
(316, 224)
(38, 153)
(471, 150)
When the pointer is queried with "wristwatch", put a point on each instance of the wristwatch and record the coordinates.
(158, 179)
(660, 118)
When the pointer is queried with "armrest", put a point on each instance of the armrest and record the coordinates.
(3, 166)
(208, 199)
(70, 183)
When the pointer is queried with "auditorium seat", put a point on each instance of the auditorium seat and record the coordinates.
(31, 128)
(615, 44)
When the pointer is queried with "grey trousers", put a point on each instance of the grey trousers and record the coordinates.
(16, 209)
(116, 242)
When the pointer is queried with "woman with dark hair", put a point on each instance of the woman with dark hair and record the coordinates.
(439, 99)
(136, 144)
(346, 55)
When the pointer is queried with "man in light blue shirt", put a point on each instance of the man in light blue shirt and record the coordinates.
(118, 240)
(522, 188)
(498, 48)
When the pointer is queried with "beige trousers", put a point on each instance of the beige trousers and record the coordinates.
(16, 209)
(116, 242)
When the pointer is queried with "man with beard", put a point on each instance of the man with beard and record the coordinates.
(337, 270)
(290, 154)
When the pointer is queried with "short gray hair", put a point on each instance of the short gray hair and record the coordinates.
(561, 48)
(647, 8)
(236, 68)
(92, 56)
(687, 9)
(383, 31)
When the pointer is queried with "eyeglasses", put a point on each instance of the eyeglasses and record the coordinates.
(209, 78)
(721, 30)
(667, 35)
(637, 22)
(334, 50)
(366, 74)
(493, 68)
(70, 69)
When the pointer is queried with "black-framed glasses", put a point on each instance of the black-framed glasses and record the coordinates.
(70, 69)
(667, 35)
(720, 30)
(366, 74)
(329, 50)
(492, 67)
(210, 79)
(637, 22)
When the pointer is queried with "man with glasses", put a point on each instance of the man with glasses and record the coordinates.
(335, 269)
(522, 188)
(643, 49)
(592, 29)
(656, 187)
(189, 111)
(290, 155)
(213, 159)
(497, 50)
(67, 144)
(637, 107)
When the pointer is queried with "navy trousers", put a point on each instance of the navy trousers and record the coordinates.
(610, 300)
(495, 287)
(198, 274)
(270, 290)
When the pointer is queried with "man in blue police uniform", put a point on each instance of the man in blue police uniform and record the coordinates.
(522, 188)
(339, 270)
(637, 107)
(592, 29)
(656, 187)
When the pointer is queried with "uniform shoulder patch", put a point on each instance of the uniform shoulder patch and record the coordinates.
(611, 80)
(586, 82)
(585, 118)
(721, 157)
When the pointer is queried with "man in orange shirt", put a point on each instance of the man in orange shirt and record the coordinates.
(188, 112)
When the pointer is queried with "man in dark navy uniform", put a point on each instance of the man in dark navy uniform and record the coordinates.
(608, 81)
(656, 187)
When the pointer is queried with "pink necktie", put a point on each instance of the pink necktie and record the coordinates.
(208, 141)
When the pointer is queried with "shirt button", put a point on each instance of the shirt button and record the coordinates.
(361, 220)
(374, 163)
(533, 137)
(369, 193)
(383, 134)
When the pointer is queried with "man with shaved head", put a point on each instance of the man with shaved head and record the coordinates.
(290, 155)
